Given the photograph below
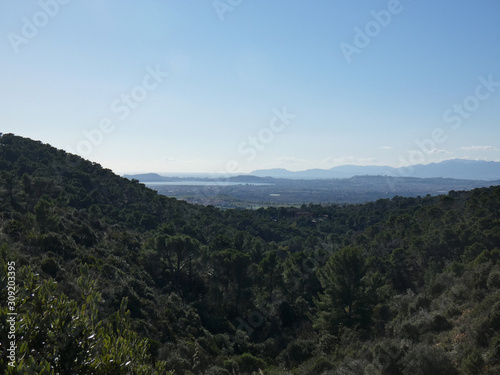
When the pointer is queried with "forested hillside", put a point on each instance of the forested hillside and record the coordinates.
(113, 278)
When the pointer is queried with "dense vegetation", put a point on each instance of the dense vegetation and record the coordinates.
(115, 279)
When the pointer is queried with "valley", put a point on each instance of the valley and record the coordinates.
(252, 192)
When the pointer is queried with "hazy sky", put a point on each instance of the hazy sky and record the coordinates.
(238, 85)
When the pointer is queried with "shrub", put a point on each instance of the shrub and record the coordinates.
(215, 370)
(495, 349)
(14, 228)
(387, 355)
(231, 366)
(247, 363)
(440, 323)
(296, 353)
(493, 281)
(472, 363)
(426, 360)
(50, 266)
(352, 367)
(320, 365)
(409, 331)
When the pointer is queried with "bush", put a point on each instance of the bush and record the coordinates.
(352, 367)
(493, 281)
(14, 228)
(296, 353)
(300, 350)
(320, 365)
(409, 331)
(215, 370)
(231, 366)
(495, 349)
(426, 360)
(50, 266)
(387, 354)
(247, 363)
(473, 363)
(440, 323)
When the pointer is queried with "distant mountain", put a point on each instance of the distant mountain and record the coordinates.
(460, 168)
(147, 177)
(456, 168)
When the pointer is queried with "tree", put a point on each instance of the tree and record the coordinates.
(270, 269)
(230, 268)
(343, 301)
(44, 217)
(178, 252)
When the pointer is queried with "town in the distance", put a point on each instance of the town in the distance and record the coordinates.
(338, 185)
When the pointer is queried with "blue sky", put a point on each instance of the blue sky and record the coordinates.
(236, 85)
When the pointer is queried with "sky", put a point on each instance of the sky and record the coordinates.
(232, 86)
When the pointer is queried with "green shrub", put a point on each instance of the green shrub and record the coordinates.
(495, 349)
(231, 366)
(215, 370)
(247, 363)
(493, 282)
(14, 228)
(50, 266)
(296, 353)
(352, 366)
(426, 360)
(472, 363)
(440, 323)
(320, 365)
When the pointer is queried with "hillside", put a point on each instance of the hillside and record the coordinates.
(113, 278)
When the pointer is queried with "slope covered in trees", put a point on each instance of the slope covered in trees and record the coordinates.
(113, 278)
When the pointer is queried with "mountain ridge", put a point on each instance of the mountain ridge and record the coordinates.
(453, 168)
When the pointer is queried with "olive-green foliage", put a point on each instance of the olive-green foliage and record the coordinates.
(472, 363)
(58, 335)
(248, 364)
(320, 366)
(426, 360)
(344, 301)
